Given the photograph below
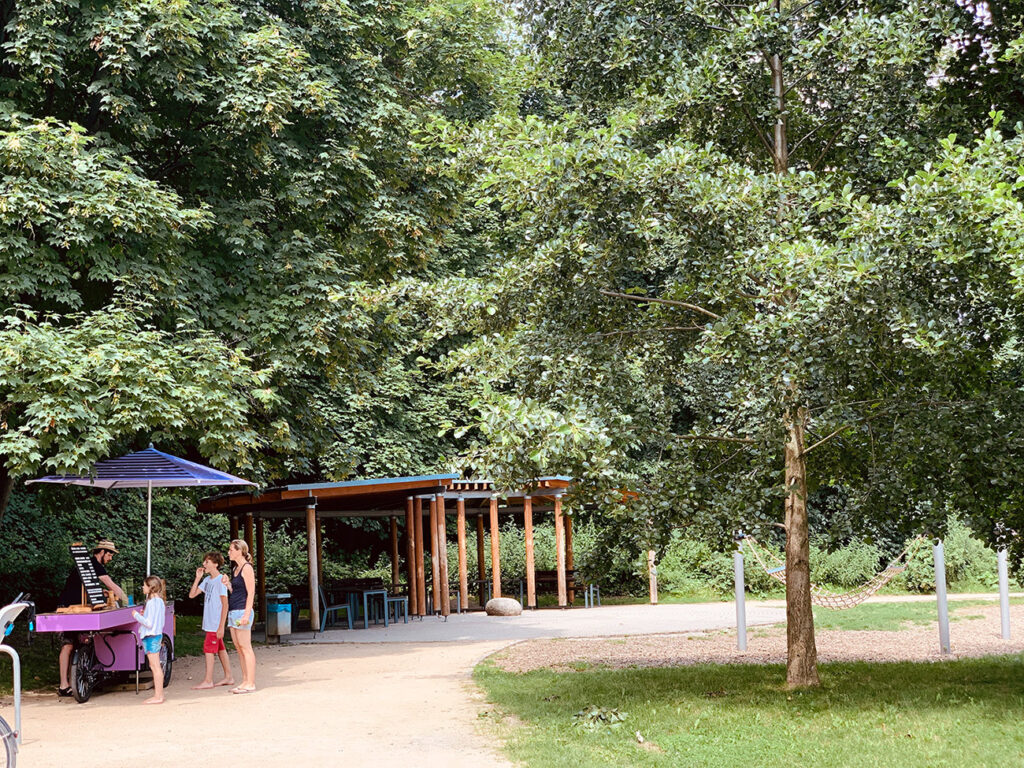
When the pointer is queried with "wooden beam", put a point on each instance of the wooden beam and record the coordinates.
(261, 568)
(460, 507)
(327, 492)
(421, 579)
(410, 556)
(560, 551)
(531, 573)
(442, 553)
(233, 522)
(394, 554)
(314, 571)
(495, 549)
(248, 530)
(435, 583)
(319, 550)
(568, 555)
(481, 565)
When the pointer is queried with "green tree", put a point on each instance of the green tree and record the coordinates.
(227, 178)
(708, 275)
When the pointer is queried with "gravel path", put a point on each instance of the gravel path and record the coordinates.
(767, 645)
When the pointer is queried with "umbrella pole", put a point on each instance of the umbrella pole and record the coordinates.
(149, 526)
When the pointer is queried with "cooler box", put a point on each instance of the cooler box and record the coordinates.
(279, 614)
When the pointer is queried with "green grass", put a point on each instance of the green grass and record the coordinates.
(888, 616)
(39, 660)
(958, 713)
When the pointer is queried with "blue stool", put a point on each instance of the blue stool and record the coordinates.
(397, 602)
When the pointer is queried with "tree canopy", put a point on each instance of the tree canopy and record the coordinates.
(742, 238)
(215, 182)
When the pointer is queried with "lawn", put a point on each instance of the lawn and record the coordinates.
(955, 713)
(891, 617)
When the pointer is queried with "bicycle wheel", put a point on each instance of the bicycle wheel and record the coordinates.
(166, 659)
(83, 676)
(8, 745)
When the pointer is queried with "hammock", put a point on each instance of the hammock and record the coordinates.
(835, 600)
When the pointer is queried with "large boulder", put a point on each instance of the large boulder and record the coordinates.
(503, 606)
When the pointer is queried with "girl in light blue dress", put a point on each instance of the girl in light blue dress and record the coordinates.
(151, 632)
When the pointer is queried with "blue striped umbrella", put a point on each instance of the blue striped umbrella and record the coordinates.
(147, 469)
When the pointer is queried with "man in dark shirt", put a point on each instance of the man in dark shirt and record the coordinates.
(102, 554)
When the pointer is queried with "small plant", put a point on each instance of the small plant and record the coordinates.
(595, 718)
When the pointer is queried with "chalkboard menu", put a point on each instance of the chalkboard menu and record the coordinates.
(91, 582)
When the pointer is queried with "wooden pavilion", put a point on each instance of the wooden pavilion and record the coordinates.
(423, 503)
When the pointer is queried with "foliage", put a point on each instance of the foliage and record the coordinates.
(76, 387)
(969, 563)
(593, 719)
(893, 714)
(240, 173)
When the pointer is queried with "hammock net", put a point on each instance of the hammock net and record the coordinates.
(776, 568)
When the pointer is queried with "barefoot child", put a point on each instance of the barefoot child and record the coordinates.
(215, 613)
(151, 632)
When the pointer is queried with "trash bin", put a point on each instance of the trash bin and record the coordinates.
(279, 614)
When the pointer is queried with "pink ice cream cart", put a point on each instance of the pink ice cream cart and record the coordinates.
(107, 646)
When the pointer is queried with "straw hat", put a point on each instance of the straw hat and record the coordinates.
(106, 544)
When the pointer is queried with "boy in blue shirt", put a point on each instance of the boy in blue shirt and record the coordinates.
(215, 613)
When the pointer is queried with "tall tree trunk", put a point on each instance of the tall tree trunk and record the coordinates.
(802, 655)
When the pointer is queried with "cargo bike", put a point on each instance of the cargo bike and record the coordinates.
(107, 647)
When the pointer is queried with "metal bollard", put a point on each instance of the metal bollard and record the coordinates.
(940, 595)
(741, 604)
(1004, 595)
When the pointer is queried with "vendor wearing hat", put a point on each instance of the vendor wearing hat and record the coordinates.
(102, 554)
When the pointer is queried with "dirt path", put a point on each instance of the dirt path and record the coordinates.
(385, 705)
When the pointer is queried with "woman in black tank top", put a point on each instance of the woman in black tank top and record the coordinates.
(240, 612)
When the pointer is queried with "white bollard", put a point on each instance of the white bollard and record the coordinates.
(1004, 595)
(741, 604)
(940, 595)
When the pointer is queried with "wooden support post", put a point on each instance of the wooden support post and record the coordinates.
(460, 507)
(435, 583)
(249, 530)
(314, 570)
(569, 561)
(442, 554)
(410, 556)
(421, 578)
(531, 572)
(319, 551)
(481, 565)
(652, 576)
(560, 551)
(261, 567)
(495, 549)
(233, 522)
(394, 554)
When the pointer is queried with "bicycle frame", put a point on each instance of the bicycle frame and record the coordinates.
(7, 616)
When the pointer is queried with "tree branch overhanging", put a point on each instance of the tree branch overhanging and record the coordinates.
(651, 300)
(718, 439)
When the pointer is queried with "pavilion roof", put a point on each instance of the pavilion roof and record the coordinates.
(373, 497)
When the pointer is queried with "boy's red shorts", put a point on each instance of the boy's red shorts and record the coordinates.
(212, 643)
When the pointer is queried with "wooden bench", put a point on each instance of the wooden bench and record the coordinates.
(547, 581)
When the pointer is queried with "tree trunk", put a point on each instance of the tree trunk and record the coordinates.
(6, 486)
(802, 655)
